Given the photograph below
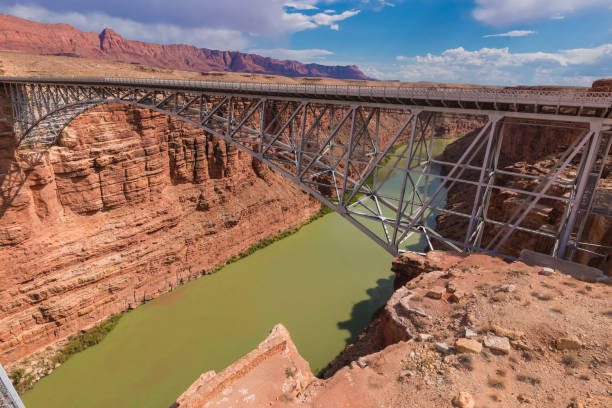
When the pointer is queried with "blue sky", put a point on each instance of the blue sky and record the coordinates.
(506, 42)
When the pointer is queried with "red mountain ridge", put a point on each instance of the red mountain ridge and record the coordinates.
(17, 34)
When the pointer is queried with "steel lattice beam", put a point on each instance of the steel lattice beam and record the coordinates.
(328, 140)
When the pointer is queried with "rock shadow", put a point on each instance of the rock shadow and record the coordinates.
(364, 311)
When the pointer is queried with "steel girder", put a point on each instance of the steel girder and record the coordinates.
(8, 396)
(335, 149)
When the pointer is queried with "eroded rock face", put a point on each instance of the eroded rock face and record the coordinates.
(449, 125)
(274, 369)
(129, 205)
(602, 85)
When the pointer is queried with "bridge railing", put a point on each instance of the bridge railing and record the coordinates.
(481, 94)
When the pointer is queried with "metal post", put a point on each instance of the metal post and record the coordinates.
(484, 168)
(400, 203)
(595, 140)
(8, 396)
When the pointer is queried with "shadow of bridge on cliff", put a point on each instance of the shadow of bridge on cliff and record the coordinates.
(12, 174)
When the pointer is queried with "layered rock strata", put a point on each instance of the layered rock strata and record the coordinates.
(255, 377)
(130, 204)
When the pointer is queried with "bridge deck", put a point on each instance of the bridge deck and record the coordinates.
(571, 103)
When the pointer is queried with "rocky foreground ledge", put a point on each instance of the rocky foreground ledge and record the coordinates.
(458, 332)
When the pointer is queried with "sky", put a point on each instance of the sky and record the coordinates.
(503, 42)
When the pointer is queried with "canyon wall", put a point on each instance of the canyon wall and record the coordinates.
(130, 204)
(62, 39)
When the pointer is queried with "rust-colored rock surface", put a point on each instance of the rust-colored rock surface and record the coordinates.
(602, 85)
(408, 356)
(130, 204)
(274, 369)
(62, 39)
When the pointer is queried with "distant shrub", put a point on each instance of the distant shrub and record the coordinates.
(86, 339)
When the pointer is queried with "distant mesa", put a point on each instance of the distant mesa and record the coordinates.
(17, 34)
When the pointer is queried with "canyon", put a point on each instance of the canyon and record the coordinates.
(129, 205)
(62, 39)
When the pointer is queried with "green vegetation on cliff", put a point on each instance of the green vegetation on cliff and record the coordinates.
(23, 381)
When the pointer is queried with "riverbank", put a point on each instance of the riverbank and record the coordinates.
(27, 372)
(324, 283)
(466, 331)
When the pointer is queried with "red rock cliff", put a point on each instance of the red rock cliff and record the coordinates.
(129, 205)
(62, 39)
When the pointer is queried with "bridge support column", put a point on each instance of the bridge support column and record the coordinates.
(584, 189)
(485, 172)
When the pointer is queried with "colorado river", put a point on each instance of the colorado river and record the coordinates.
(323, 283)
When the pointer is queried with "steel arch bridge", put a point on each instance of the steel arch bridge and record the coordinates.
(328, 140)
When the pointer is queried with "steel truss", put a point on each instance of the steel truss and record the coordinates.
(368, 153)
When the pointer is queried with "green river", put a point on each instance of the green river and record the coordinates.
(323, 283)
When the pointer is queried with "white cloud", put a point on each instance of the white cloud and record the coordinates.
(513, 33)
(230, 24)
(302, 5)
(500, 66)
(557, 17)
(215, 38)
(501, 12)
(308, 55)
(323, 19)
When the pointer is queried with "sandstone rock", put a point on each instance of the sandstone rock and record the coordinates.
(464, 400)
(469, 333)
(443, 347)
(425, 337)
(499, 344)
(264, 380)
(468, 346)
(569, 343)
(456, 296)
(547, 271)
(362, 362)
(406, 373)
(507, 288)
(409, 265)
(503, 332)
(436, 293)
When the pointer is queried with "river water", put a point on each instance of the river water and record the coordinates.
(323, 283)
